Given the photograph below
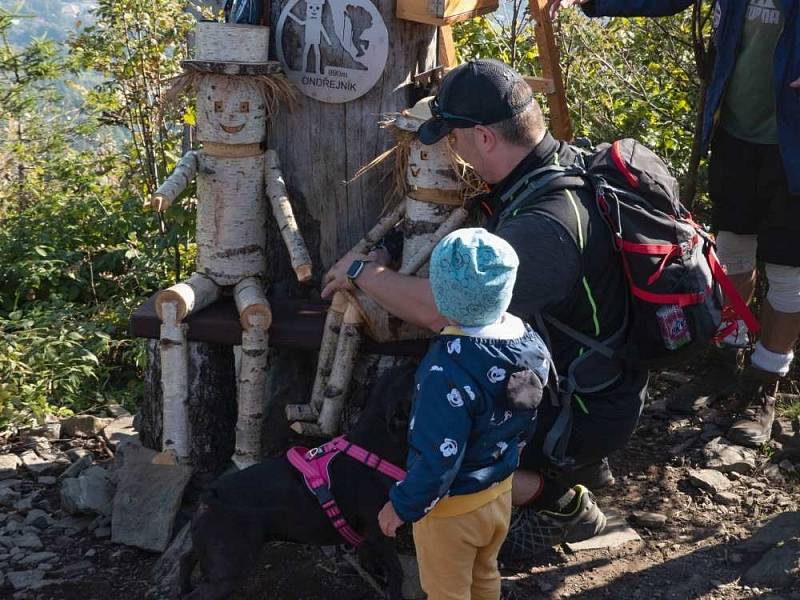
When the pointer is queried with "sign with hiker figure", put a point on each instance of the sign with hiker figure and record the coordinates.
(332, 50)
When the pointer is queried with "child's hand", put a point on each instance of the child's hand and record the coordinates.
(388, 520)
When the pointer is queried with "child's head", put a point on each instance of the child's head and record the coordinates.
(472, 275)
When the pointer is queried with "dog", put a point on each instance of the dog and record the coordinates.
(270, 501)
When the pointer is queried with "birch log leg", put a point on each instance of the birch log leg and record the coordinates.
(174, 380)
(189, 296)
(284, 216)
(256, 317)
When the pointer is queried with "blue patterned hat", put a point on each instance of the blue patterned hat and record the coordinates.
(472, 275)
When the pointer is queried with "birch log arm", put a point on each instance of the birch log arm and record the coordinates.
(282, 210)
(175, 184)
(423, 253)
(383, 226)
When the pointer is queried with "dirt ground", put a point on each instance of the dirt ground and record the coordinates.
(693, 555)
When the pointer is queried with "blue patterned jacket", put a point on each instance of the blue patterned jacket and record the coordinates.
(467, 421)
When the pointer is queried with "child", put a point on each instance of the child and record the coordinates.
(475, 405)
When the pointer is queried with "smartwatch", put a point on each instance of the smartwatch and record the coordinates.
(355, 269)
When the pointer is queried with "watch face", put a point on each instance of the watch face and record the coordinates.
(355, 268)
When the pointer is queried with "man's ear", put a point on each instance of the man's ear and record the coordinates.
(485, 138)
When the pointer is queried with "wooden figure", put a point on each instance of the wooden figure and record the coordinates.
(434, 188)
(234, 174)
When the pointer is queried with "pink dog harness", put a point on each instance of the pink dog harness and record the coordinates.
(314, 464)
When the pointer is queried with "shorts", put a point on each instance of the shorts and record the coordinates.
(607, 424)
(750, 195)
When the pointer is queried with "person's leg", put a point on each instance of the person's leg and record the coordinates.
(446, 552)
(779, 249)
(486, 580)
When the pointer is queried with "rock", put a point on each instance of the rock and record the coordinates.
(77, 453)
(130, 453)
(778, 568)
(723, 456)
(46, 479)
(120, 430)
(22, 580)
(6, 541)
(29, 541)
(9, 463)
(8, 497)
(727, 498)
(37, 518)
(102, 532)
(35, 463)
(81, 567)
(83, 426)
(787, 466)
(770, 532)
(37, 557)
(116, 411)
(73, 524)
(648, 519)
(773, 473)
(25, 503)
(90, 553)
(147, 500)
(169, 571)
(709, 480)
(91, 492)
(412, 588)
(49, 429)
(615, 534)
(78, 467)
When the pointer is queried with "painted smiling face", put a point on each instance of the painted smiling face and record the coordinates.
(230, 110)
(314, 9)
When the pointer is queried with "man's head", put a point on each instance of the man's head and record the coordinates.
(489, 112)
(472, 275)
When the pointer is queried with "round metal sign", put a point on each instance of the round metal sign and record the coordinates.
(332, 50)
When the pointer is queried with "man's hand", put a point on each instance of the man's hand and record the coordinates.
(336, 277)
(388, 520)
(555, 5)
(795, 85)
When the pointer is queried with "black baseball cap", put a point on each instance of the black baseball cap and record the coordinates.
(475, 93)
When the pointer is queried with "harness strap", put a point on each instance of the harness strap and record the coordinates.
(314, 464)
(736, 301)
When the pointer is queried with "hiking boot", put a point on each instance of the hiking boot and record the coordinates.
(756, 387)
(532, 532)
(594, 476)
(724, 365)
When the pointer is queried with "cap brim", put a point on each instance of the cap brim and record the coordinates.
(432, 130)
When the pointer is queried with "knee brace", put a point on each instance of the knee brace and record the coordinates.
(737, 252)
(784, 288)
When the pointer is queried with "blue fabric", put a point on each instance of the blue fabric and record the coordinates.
(464, 434)
(729, 23)
(472, 274)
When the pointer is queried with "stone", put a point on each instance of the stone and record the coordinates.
(82, 566)
(723, 456)
(778, 568)
(29, 541)
(8, 496)
(77, 453)
(83, 426)
(147, 499)
(49, 429)
(130, 453)
(25, 503)
(116, 411)
(772, 531)
(73, 523)
(37, 518)
(9, 463)
(773, 473)
(22, 580)
(77, 467)
(91, 492)
(709, 480)
(6, 541)
(787, 466)
(615, 534)
(169, 573)
(120, 430)
(412, 588)
(37, 557)
(726, 498)
(651, 520)
(102, 532)
(35, 463)
(46, 479)
(90, 553)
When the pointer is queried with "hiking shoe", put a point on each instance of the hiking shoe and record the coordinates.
(757, 388)
(594, 476)
(532, 532)
(724, 365)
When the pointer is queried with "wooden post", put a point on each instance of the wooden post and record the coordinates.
(560, 122)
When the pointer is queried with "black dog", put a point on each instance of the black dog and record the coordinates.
(270, 501)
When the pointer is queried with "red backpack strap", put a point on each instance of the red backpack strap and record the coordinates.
(732, 296)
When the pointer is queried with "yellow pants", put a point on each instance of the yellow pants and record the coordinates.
(457, 555)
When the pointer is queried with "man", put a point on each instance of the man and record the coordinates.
(568, 270)
(752, 120)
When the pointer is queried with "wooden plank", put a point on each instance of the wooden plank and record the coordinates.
(540, 85)
(443, 13)
(560, 123)
(447, 47)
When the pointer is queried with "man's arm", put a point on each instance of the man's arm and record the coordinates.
(407, 297)
(623, 8)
